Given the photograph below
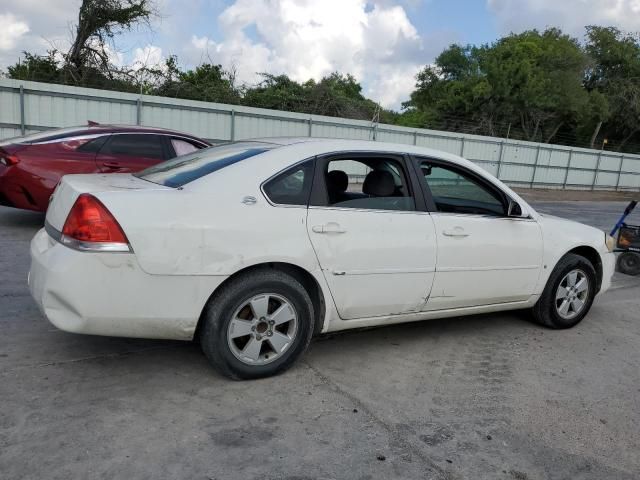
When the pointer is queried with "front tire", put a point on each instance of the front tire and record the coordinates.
(568, 295)
(257, 325)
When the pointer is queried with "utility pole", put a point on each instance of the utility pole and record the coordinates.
(374, 123)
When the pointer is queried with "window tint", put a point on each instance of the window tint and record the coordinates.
(182, 147)
(182, 170)
(291, 187)
(455, 192)
(135, 145)
(93, 145)
(368, 183)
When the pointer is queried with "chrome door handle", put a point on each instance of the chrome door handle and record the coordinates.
(455, 232)
(330, 227)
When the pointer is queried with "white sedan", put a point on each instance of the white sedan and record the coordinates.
(253, 247)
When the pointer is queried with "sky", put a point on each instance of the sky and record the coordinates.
(383, 43)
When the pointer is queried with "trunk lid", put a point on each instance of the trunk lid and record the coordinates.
(71, 186)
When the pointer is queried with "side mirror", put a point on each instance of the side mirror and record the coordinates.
(515, 210)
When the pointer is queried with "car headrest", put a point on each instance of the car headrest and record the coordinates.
(337, 181)
(379, 183)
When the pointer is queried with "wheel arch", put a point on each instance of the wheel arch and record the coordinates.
(308, 281)
(593, 256)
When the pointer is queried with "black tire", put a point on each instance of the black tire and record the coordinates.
(629, 263)
(545, 312)
(221, 307)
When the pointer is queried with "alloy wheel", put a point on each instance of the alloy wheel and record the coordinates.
(572, 294)
(262, 329)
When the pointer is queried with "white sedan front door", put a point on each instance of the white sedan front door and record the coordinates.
(484, 256)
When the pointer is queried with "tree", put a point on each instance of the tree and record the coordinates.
(335, 95)
(277, 92)
(533, 80)
(615, 75)
(36, 68)
(207, 82)
(99, 21)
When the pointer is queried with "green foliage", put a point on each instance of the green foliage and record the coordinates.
(539, 86)
(614, 74)
(532, 81)
(36, 68)
(334, 95)
(206, 82)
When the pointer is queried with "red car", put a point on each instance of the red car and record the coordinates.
(31, 166)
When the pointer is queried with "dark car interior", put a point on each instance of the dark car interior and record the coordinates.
(382, 187)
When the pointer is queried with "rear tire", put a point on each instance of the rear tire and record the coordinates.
(257, 325)
(568, 295)
(629, 263)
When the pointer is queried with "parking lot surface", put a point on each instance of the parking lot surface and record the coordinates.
(490, 396)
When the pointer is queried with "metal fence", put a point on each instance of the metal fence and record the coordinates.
(27, 107)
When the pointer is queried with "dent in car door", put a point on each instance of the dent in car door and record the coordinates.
(376, 262)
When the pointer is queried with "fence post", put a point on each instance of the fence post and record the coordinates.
(500, 159)
(232, 133)
(139, 111)
(566, 173)
(619, 172)
(595, 173)
(310, 126)
(415, 137)
(535, 167)
(462, 146)
(23, 126)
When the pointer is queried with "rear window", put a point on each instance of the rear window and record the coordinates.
(187, 168)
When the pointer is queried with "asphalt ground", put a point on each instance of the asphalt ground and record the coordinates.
(480, 397)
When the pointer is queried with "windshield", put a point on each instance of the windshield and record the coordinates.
(181, 170)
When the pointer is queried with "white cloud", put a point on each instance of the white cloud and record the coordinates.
(372, 39)
(148, 56)
(48, 25)
(309, 39)
(570, 15)
(11, 29)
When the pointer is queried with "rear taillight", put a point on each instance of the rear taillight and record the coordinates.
(90, 226)
(8, 160)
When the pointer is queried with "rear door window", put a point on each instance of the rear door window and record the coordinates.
(93, 145)
(375, 183)
(135, 145)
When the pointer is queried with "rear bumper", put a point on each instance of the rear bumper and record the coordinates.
(109, 294)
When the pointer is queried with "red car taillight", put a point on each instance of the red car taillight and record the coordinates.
(90, 226)
(8, 160)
